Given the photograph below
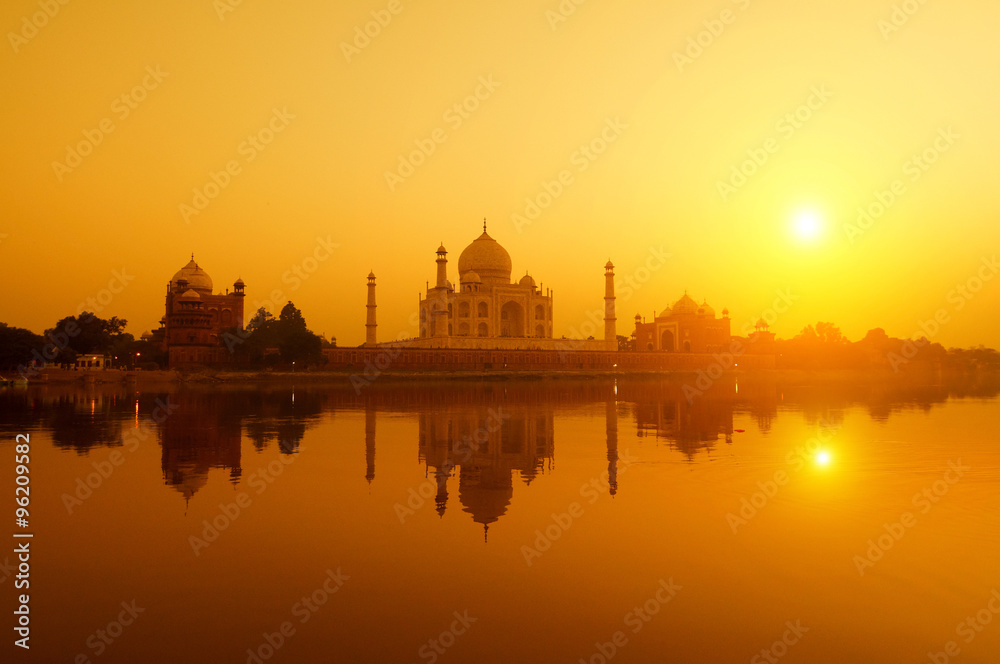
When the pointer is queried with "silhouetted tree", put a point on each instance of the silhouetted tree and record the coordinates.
(17, 346)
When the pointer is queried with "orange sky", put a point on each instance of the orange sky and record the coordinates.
(831, 99)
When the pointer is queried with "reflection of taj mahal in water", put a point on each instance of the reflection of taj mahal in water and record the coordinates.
(476, 442)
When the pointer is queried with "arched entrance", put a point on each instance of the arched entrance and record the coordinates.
(667, 341)
(511, 320)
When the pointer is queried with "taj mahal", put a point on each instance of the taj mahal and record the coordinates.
(488, 310)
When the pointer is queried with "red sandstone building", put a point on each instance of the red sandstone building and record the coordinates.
(686, 327)
(195, 317)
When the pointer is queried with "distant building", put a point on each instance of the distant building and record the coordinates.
(195, 317)
(685, 327)
(92, 362)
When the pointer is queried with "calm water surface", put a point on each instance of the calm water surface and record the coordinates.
(534, 521)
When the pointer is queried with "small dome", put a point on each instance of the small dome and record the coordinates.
(609, 265)
(762, 324)
(706, 310)
(441, 249)
(190, 294)
(725, 312)
(526, 280)
(486, 257)
(471, 278)
(371, 275)
(665, 312)
(239, 282)
(195, 277)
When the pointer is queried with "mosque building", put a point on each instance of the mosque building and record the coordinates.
(685, 327)
(488, 310)
(195, 318)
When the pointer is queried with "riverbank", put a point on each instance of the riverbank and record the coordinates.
(152, 379)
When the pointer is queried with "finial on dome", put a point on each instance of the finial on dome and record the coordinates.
(484, 224)
(192, 255)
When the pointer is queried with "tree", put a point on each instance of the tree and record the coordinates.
(87, 333)
(295, 342)
(288, 333)
(18, 346)
(829, 333)
(291, 317)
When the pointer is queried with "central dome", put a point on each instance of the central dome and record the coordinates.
(196, 278)
(486, 258)
(685, 305)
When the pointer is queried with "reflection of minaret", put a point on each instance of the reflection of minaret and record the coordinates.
(611, 417)
(370, 442)
(441, 475)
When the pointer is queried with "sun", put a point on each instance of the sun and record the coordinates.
(823, 458)
(807, 225)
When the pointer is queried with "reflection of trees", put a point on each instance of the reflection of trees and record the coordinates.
(282, 416)
(77, 417)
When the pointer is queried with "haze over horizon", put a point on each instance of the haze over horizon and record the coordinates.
(739, 137)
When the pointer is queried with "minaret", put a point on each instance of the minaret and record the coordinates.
(370, 325)
(610, 327)
(442, 262)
